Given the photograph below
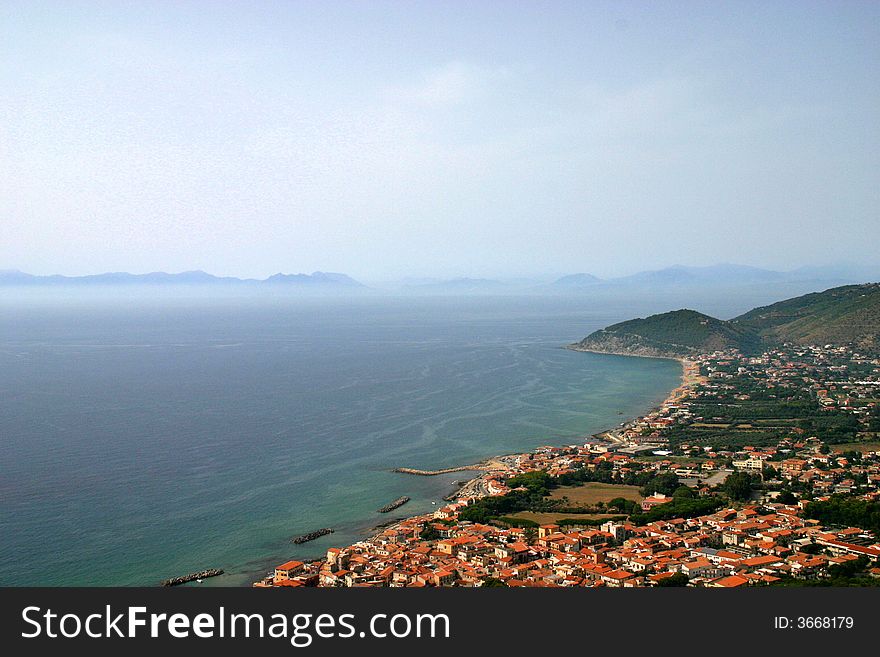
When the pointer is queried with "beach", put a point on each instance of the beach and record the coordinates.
(493, 469)
(478, 486)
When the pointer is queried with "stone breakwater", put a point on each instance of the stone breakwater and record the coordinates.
(399, 502)
(204, 574)
(433, 473)
(311, 536)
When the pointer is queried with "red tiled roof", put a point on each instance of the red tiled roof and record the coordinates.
(730, 582)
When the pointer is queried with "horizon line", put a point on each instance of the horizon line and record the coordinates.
(833, 270)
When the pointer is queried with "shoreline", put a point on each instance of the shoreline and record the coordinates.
(477, 486)
(575, 347)
(466, 487)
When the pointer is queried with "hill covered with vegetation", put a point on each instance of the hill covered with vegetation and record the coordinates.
(848, 314)
(841, 315)
(676, 333)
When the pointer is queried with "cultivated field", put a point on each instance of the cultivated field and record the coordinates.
(593, 492)
(548, 518)
(872, 446)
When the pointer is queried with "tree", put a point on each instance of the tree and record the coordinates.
(536, 482)
(786, 497)
(738, 486)
(429, 532)
(678, 579)
(679, 508)
(852, 456)
(683, 492)
(847, 511)
(623, 505)
(665, 483)
(849, 568)
(531, 535)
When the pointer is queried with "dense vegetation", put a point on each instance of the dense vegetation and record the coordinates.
(846, 511)
(678, 579)
(679, 507)
(678, 333)
(840, 315)
(587, 522)
(848, 314)
(849, 573)
(738, 486)
(530, 490)
(428, 533)
(748, 413)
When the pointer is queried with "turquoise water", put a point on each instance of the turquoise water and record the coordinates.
(145, 440)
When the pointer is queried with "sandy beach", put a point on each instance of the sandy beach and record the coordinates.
(478, 485)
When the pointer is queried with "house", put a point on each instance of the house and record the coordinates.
(287, 570)
(546, 530)
(730, 582)
(616, 578)
(756, 563)
(701, 568)
(655, 500)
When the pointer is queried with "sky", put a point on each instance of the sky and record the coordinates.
(409, 139)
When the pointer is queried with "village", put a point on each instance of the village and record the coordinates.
(758, 471)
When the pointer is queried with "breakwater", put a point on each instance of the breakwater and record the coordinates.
(432, 473)
(311, 536)
(204, 574)
(399, 502)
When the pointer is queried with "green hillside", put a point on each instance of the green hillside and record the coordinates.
(676, 333)
(849, 314)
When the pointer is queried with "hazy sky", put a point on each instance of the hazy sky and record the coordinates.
(437, 138)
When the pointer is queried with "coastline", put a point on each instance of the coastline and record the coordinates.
(577, 347)
(477, 486)
(674, 395)
(688, 376)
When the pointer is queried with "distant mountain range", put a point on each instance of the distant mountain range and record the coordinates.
(317, 280)
(841, 315)
(720, 275)
(675, 279)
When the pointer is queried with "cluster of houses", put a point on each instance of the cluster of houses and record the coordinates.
(750, 546)
(753, 544)
(756, 544)
(839, 377)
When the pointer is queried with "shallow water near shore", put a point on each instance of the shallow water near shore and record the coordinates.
(141, 441)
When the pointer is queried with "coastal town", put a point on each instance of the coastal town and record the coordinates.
(760, 470)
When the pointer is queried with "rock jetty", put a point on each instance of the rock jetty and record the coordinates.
(399, 502)
(204, 574)
(311, 536)
(434, 473)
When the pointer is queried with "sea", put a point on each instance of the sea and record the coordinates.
(142, 439)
